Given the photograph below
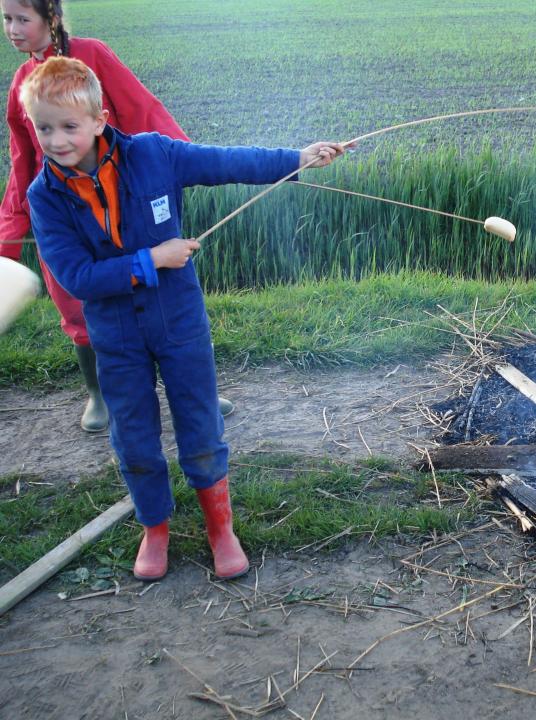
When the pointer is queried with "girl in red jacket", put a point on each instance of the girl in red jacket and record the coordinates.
(35, 27)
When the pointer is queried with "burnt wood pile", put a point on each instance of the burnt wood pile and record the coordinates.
(492, 431)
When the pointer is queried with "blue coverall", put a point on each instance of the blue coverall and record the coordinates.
(135, 328)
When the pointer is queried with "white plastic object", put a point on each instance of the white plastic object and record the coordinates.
(502, 228)
(18, 285)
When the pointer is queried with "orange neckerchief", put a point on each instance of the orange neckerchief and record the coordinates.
(82, 184)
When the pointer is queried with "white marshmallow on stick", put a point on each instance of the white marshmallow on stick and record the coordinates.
(501, 227)
(18, 285)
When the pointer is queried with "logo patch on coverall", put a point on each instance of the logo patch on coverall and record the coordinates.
(160, 208)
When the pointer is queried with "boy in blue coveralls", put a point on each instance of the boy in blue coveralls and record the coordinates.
(106, 214)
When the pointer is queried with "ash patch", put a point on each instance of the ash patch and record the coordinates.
(495, 410)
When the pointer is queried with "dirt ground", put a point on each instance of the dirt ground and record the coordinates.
(303, 635)
(343, 412)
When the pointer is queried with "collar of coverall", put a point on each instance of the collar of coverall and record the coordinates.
(99, 189)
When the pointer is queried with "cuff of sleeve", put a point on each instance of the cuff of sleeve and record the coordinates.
(295, 178)
(143, 268)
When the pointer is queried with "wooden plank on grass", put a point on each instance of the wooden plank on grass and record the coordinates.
(22, 585)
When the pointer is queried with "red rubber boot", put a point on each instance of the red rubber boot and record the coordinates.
(230, 560)
(152, 561)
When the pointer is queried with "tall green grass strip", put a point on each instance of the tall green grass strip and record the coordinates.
(380, 319)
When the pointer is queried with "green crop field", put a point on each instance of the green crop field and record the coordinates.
(288, 73)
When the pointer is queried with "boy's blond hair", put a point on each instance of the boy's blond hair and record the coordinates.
(62, 81)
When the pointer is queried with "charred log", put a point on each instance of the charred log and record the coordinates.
(523, 493)
(485, 459)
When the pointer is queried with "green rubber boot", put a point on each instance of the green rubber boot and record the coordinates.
(226, 406)
(95, 417)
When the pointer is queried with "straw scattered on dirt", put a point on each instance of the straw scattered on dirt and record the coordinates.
(378, 628)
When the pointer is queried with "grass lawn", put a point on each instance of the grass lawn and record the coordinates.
(386, 317)
(281, 502)
(289, 72)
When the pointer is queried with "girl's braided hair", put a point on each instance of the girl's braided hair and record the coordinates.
(52, 12)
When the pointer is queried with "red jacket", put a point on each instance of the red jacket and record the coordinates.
(132, 108)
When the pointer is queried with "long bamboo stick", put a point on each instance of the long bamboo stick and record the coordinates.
(359, 138)
(434, 118)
